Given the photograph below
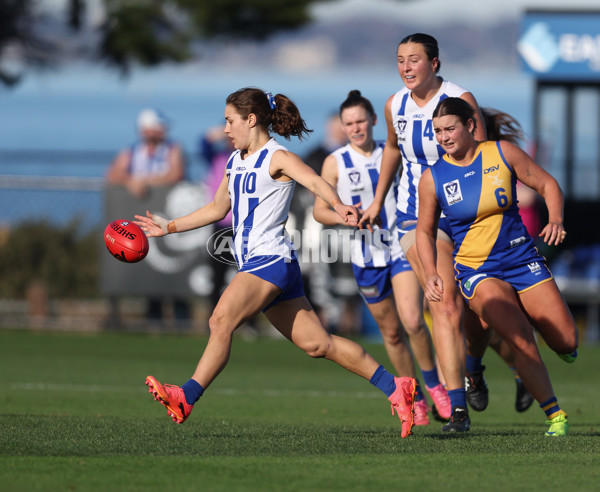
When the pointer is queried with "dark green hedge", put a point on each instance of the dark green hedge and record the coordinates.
(62, 258)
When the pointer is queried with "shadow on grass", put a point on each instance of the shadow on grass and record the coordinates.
(34, 435)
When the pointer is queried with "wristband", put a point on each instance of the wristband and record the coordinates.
(171, 227)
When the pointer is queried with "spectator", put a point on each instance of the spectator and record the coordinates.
(152, 160)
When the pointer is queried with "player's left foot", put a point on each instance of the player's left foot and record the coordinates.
(477, 390)
(441, 408)
(559, 425)
(403, 400)
(459, 422)
(171, 397)
(524, 398)
(421, 417)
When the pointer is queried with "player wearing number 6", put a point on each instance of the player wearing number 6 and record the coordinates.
(257, 187)
(499, 271)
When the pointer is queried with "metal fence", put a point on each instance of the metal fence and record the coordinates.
(63, 186)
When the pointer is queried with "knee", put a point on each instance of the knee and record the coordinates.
(414, 325)
(220, 325)
(393, 336)
(316, 350)
(447, 310)
(569, 341)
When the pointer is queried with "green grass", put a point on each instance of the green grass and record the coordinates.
(75, 415)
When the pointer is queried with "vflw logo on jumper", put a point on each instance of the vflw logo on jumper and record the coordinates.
(401, 127)
(356, 183)
(452, 192)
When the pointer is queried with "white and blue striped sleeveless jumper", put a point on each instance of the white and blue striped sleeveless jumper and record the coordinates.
(358, 176)
(417, 142)
(260, 207)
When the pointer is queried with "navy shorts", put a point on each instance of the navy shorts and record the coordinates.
(375, 283)
(282, 272)
(522, 276)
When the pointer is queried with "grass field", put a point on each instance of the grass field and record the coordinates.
(75, 415)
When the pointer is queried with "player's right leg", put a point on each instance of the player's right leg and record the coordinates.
(496, 302)
(296, 320)
(385, 315)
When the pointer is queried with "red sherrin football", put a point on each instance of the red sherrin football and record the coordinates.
(126, 241)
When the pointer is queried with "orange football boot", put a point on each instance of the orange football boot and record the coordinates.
(171, 397)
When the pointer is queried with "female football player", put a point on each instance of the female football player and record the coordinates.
(498, 268)
(257, 187)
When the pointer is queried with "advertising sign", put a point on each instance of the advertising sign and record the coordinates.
(561, 45)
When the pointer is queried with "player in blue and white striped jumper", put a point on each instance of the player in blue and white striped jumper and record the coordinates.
(385, 279)
(411, 145)
(257, 187)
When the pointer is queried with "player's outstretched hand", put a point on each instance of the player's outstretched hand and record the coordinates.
(152, 225)
(554, 233)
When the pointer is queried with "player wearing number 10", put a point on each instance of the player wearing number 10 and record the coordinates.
(257, 186)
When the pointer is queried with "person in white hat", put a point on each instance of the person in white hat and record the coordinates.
(152, 161)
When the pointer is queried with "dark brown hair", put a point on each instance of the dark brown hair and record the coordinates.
(429, 43)
(456, 106)
(355, 98)
(502, 126)
(273, 113)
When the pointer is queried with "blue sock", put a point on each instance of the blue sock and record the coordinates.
(431, 378)
(192, 391)
(458, 398)
(550, 407)
(473, 364)
(383, 380)
(419, 395)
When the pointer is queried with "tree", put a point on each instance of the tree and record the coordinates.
(19, 45)
(148, 32)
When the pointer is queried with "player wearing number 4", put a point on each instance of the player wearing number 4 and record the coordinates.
(257, 186)
(411, 148)
(499, 271)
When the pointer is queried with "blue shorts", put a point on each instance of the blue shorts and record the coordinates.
(282, 272)
(522, 276)
(375, 283)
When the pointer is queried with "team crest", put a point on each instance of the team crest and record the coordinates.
(356, 183)
(452, 192)
(401, 129)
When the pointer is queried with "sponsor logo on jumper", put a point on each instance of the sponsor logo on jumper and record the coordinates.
(471, 280)
(517, 242)
(493, 173)
(470, 173)
(370, 291)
